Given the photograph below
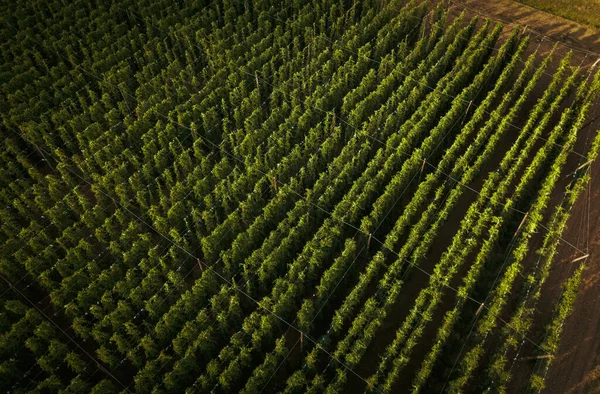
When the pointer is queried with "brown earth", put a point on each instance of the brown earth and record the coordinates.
(576, 368)
(542, 26)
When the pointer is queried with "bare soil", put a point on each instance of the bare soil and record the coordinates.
(549, 29)
(576, 368)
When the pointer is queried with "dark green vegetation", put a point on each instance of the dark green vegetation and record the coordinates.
(261, 197)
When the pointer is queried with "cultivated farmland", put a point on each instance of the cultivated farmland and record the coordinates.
(286, 197)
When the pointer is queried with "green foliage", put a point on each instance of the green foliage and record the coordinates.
(224, 196)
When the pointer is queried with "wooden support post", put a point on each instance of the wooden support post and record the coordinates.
(466, 112)
(583, 165)
(275, 183)
(423, 166)
(369, 241)
(301, 340)
(521, 225)
(580, 258)
(479, 309)
(257, 84)
(193, 131)
(564, 149)
(537, 357)
(200, 265)
(468, 107)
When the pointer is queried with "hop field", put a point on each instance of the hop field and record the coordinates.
(284, 197)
